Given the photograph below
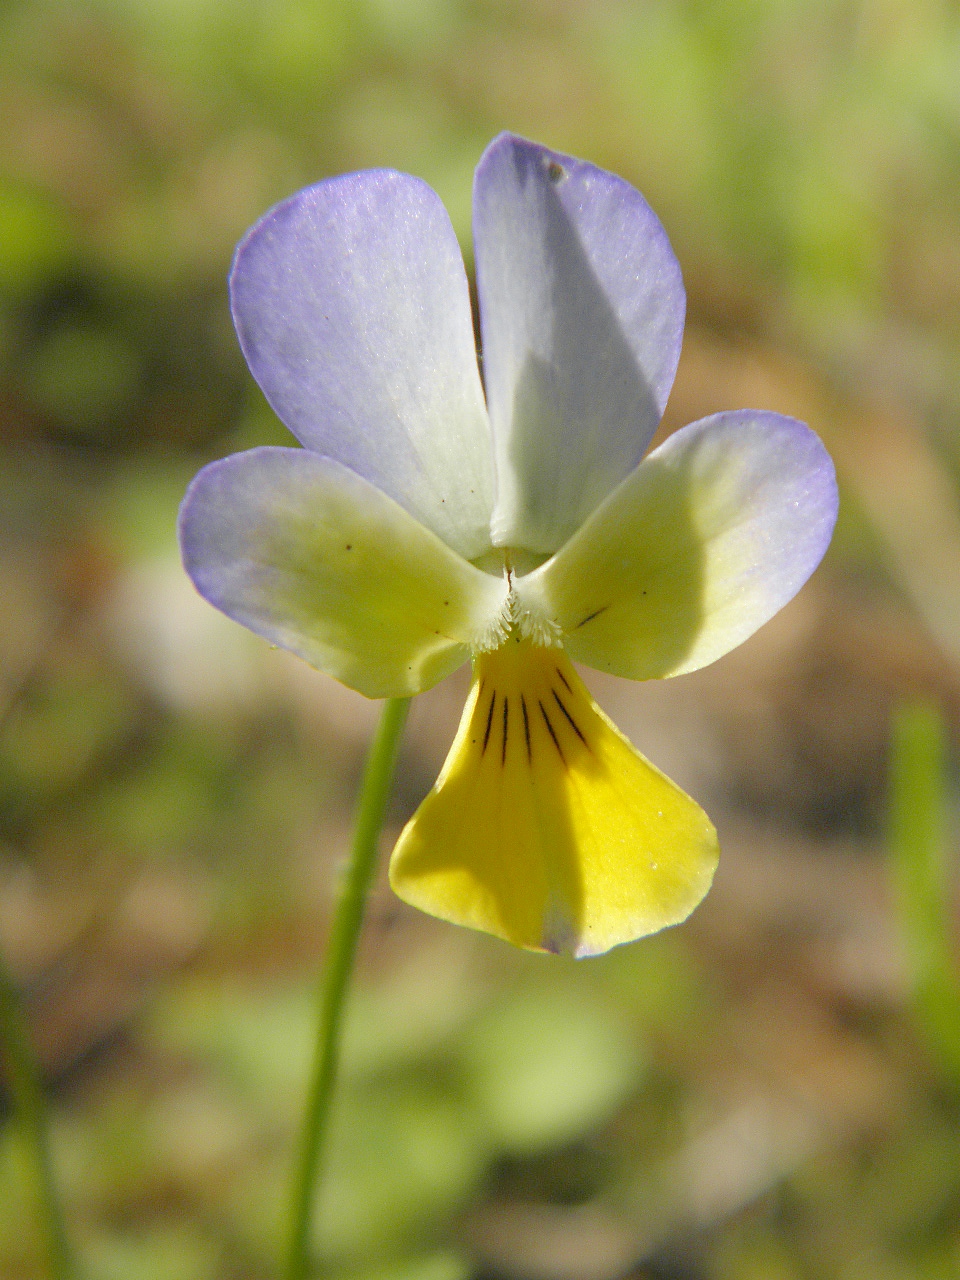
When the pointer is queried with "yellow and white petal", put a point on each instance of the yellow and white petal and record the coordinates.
(546, 826)
(704, 542)
(316, 559)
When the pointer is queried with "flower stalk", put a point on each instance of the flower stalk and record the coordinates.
(331, 995)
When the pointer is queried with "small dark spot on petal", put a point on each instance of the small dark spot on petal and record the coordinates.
(556, 172)
(486, 732)
(551, 731)
(573, 724)
(526, 727)
(349, 546)
(590, 616)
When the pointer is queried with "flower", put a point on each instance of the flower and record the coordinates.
(424, 523)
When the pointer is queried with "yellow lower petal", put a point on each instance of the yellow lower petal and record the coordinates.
(546, 826)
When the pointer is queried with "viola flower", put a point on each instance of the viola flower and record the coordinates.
(424, 523)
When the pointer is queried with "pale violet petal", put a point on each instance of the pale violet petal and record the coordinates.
(581, 311)
(711, 535)
(352, 308)
(316, 559)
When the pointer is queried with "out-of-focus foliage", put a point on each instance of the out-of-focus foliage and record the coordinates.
(923, 873)
(803, 156)
(745, 1097)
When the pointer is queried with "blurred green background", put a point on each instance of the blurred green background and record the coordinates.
(762, 1094)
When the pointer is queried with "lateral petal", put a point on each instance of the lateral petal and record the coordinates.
(352, 308)
(546, 827)
(709, 537)
(314, 558)
(581, 310)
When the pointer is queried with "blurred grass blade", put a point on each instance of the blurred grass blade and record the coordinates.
(918, 839)
(23, 1076)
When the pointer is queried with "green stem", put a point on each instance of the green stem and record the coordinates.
(341, 950)
(27, 1091)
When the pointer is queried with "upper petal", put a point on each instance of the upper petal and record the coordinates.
(713, 533)
(581, 309)
(352, 308)
(313, 557)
